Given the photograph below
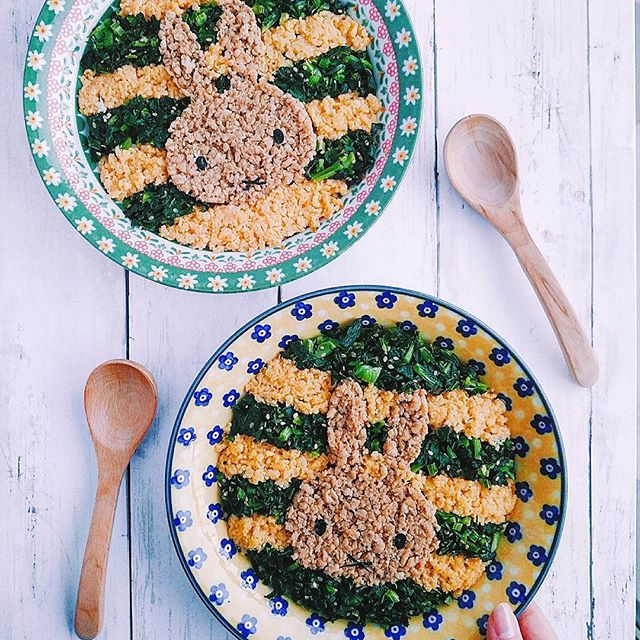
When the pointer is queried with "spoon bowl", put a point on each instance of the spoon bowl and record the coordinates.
(482, 164)
(120, 400)
(481, 161)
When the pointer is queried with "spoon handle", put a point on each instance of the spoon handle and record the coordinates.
(90, 603)
(574, 342)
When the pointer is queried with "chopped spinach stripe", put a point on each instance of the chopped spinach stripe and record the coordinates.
(271, 13)
(392, 358)
(279, 425)
(239, 497)
(157, 205)
(340, 70)
(120, 40)
(348, 158)
(340, 598)
(460, 535)
(455, 455)
(138, 121)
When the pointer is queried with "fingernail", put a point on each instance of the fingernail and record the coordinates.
(505, 623)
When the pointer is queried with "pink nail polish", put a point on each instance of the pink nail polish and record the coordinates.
(505, 623)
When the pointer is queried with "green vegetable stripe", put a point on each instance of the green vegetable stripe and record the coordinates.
(446, 452)
(279, 425)
(348, 158)
(457, 535)
(135, 40)
(333, 598)
(139, 121)
(389, 357)
(338, 71)
(158, 205)
(270, 13)
(239, 497)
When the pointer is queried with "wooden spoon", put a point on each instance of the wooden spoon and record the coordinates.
(482, 165)
(120, 400)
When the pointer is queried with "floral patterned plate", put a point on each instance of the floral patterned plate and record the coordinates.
(54, 126)
(220, 575)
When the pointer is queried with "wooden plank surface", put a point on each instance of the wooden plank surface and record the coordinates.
(560, 76)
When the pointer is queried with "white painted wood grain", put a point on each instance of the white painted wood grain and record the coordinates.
(62, 312)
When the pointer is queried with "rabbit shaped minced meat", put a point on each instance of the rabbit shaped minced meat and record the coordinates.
(370, 524)
(232, 146)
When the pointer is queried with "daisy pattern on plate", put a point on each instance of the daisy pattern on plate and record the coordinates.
(403, 38)
(217, 283)
(51, 177)
(35, 60)
(106, 245)
(188, 281)
(56, 5)
(85, 226)
(158, 273)
(400, 156)
(32, 91)
(392, 10)
(410, 66)
(66, 201)
(273, 276)
(409, 126)
(388, 184)
(130, 260)
(373, 208)
(40, 148)
(34, 120)
(353, 230)
(246, 282)
(412, 95)
(43, 31)
(302, 265)
(329, 249)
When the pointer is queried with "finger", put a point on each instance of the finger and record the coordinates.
(535, 625)
(503, 624)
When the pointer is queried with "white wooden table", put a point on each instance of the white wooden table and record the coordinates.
(560, 75)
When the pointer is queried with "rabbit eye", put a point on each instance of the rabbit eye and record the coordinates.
(278, 136)
(320, 526)
(400, 541)
(201, 163)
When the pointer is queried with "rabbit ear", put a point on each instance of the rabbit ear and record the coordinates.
(182, 55)
(347, 419)
(240, 39)
(408, 426)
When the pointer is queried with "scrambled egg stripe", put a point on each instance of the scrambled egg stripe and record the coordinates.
(333, 118)
(156, 8)
(299, 39)
(255, 532)
(127, 171)
(471, 498)
(110, 90)
(452, 574)
(260, 461)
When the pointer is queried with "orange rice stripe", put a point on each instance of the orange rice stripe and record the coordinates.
(471, 498)
(260, 461)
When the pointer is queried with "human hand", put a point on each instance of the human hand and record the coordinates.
(503, 625)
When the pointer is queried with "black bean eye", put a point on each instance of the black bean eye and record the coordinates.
(320, 526)
(400, 541)
(278, 136)
(201, 163)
